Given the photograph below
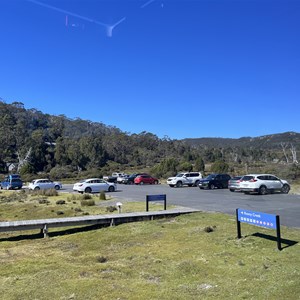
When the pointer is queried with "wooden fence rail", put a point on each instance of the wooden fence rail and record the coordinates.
(108, 219)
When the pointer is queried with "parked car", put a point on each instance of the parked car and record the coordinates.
(263, 184)
(114, 177)
(130, 178)
(142, 179)
(122, 178)
(94, 185)
(234, 183)
(42, 184)
(213, 181)
(185, 178)
(12, 182)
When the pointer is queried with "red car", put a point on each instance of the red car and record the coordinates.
(141, 179)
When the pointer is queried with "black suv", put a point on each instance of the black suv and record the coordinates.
(213, 181)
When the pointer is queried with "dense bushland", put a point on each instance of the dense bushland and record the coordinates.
(32, 142)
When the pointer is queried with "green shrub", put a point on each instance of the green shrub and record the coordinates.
(47, 192)
(60, 202)
(102, 196)
(219, 167)
(87, 202)
(86, 197)
(111, 208)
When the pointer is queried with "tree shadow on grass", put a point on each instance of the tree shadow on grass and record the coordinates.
(287, 242)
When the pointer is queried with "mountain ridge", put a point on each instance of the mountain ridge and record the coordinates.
(270, 141)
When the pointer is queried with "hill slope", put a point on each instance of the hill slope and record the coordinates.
(272, 141)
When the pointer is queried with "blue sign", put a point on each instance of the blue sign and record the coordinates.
(257, 218)
(156, 197)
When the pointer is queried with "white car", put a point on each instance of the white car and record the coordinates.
(122, 178)
(94, 185)
(42, 184)
(263, 184)
(187, 178)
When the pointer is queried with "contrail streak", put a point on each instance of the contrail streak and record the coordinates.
(108, 27)
(147, 3)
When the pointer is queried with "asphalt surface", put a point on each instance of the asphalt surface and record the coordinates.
(218, 200)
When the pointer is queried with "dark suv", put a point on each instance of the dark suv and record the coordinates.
(213, 181)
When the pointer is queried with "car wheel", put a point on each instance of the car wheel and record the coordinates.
(285, 189)
(262, 190)
(179, 184)
(246, 193)
(231, 190)
(37, 188)
(212, 186)
(196, 183)
(88, 190)
(171, 185)
(57, 187)
(111, 189)
(155, 182)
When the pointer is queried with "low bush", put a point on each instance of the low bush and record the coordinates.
(60, 202)
(86, 196)
(47, 192)
(102, 196)
(111, 208)
(89, 202)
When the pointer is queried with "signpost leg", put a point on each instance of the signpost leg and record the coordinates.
(238, 225)
(278, 233)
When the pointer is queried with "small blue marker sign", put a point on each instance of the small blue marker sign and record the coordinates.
(257, 218)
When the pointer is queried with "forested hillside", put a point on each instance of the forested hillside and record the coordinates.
(272, 141)
(34, 142)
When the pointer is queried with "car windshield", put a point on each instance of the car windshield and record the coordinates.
(247, 178)
(179, 175)
(210, 177)
(15, 180)
(132, 176)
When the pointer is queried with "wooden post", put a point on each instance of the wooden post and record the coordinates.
(45, 231)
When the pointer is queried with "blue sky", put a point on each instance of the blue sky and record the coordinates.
(202, 68)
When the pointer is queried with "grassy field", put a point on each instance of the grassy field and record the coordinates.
(194, 256)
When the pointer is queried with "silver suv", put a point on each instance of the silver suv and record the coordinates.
(263, 184)
(187, 178)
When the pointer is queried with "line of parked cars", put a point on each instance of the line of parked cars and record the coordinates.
(251, 183)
